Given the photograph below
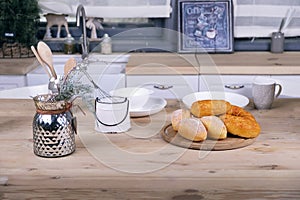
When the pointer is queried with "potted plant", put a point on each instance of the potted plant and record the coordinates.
(18, 27)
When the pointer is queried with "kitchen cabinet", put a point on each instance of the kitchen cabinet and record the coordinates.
(241, 84)
(235, 71)
(108, 71)
(12, 81)
(290, 85)
(229, 72)
(181, 85)
(39, 76)
(166, 86)
(13, 71)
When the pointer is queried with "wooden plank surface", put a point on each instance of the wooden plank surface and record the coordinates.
(235, 63)
(17, 66)
(139, 164)
(231, 141)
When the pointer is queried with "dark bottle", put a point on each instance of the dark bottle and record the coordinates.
(69, 45)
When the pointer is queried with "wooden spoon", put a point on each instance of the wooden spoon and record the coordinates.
(46, 56)
(69, 65)
(40, 60)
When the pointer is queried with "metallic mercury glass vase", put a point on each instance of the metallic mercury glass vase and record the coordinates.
(54, 127)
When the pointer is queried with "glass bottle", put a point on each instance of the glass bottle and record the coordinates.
(69, 45)
(106, 46)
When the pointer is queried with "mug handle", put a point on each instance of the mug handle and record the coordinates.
(279, 89)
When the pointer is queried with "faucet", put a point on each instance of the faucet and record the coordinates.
(84, 45)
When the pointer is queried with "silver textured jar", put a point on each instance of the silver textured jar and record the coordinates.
(54, 127)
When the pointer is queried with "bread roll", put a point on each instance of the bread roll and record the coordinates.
(177, 116)
(192, 129)
(209, 107)
(215, 127)
(241, 123)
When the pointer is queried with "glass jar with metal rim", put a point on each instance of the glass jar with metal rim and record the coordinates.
(54, 127)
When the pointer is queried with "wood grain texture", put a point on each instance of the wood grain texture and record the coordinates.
(231, 142)
(17, 66)
(267, 169)
(173, 63)
(235, 63)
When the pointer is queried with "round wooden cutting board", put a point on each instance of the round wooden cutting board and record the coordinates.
(231, 142)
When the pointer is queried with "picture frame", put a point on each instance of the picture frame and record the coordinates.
(205, 26)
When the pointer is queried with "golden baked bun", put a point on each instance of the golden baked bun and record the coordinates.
(209, 107)
(192, 129)
(177, 116)
(241, 123)
(215, 127)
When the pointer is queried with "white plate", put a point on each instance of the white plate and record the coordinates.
(152, 106)
(233, 98)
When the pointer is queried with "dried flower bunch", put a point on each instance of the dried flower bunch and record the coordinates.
(71, 86)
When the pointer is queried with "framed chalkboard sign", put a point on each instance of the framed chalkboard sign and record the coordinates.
(205, 26)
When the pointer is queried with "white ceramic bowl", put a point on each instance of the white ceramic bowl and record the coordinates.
(137, 96)
(233, 98)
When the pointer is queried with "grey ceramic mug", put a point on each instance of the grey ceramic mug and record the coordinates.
(264, 90)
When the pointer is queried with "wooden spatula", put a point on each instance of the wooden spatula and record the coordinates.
(69, 65)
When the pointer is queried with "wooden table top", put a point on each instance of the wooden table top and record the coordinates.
(139, 164)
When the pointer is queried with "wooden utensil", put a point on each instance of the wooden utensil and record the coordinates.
(231, 142)
(69, 65)
(46, 56)
(40, 60)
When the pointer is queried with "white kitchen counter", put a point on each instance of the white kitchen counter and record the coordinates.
(24, 92)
